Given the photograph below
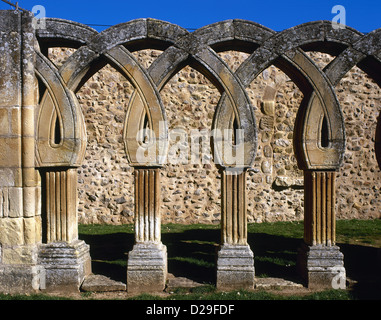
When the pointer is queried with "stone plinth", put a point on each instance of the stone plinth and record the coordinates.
(100, 283)
(147, 268)
(21, 279)
(322, 267)
(235, 267)
(66, 265)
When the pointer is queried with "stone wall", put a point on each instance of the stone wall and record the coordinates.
(191, 192)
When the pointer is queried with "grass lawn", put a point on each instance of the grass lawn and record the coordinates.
(192, 252)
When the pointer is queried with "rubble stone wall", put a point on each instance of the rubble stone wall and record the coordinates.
(191, 192)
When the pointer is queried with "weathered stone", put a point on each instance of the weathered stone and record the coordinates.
(322, 267)
(100, 283)
(60, 189)
(121, 200)
(11, 231)
(268, 108)
(19, 255)
(180, 282)
(283, 181)
(147, 268)
(275, 283)
(171, 90)
(235, 267)
(267, 151)
(21, 279)
(266, 167)
(66, 265)
(266, 123)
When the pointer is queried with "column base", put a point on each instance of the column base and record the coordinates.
(147, 268)
(21, 279)
(66, 265)
(235, 267)
(322, 267)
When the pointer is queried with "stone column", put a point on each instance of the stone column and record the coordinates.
(147, 262)
(235, 260)
(20, 220)
(61, 205)
(320, 261)
(65, 258)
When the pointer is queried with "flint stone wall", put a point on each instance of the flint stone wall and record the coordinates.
(191, 192)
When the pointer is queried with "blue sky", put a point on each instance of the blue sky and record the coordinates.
(362, 15)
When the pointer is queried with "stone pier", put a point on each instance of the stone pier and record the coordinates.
(235, 260)
(147, 262)
(66, 259)
(320, 262)
(20, 218)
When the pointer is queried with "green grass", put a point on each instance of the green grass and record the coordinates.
(20, 297)
(366, 232)
(202, 294)
(192, 254)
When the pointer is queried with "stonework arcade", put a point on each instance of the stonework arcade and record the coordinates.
(43, 141)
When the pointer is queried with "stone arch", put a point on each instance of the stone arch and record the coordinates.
(350, 47)
(317, 154)
(196, 52)
(50, 138)
(145, 103)
(95, 50)
(280, 51)
(314, 156)
(364, 53)
(59, 102)
(58, 106)
(185, 45)
(189, 49)
(146, 100)
(60, 32)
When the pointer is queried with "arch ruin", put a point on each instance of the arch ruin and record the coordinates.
(39, 245)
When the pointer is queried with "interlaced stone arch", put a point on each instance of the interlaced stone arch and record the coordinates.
(59, 140)
(73, 75)
(58, 104)
(181, 48)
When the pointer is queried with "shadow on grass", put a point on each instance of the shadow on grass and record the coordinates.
(192, 254)
(362, 266)
(109, 253)
(275, 256)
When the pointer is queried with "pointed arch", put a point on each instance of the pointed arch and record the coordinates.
(320, 98)
(58, 103)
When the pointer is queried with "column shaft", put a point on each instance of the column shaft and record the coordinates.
(233, 205)
(61, 205)
(320, 217)
(147, 205)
